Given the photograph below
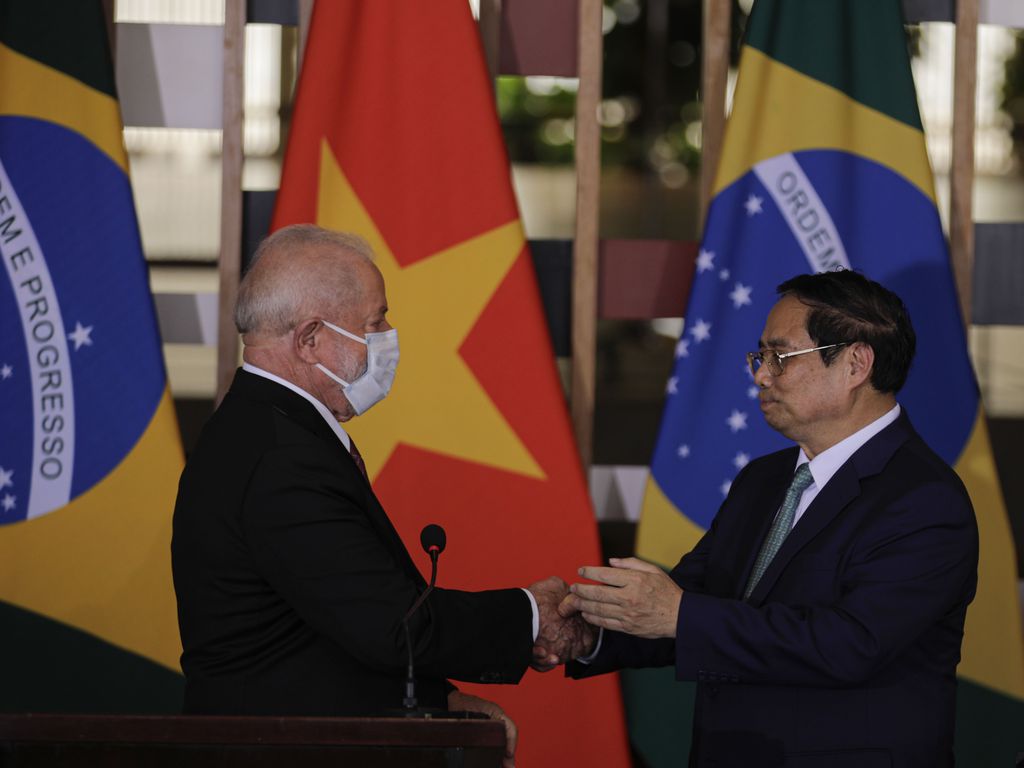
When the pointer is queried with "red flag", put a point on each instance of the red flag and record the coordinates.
(395, 137)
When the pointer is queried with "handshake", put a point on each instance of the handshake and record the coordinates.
(563, 635)
(631, 596)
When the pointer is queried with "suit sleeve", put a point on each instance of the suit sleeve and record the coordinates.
(621, 651)
(915, 565)
(313, 541)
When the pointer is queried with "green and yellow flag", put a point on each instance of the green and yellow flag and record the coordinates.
(824, 166)
(89, 447)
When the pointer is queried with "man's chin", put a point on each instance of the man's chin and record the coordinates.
(772, 417)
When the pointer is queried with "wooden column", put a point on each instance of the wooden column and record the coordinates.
(109, 16)
(231, 193)
(961, 173)
(490, 35)
(305, 17)
(588, 188)
(714, 81)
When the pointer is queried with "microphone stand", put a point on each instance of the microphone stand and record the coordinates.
(432, 539)
(410, 702)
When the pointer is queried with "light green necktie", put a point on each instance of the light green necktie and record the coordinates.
(781, 525)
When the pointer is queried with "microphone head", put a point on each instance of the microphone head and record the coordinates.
(433, 538)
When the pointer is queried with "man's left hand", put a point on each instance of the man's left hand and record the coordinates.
(634, 597)
(464, 702)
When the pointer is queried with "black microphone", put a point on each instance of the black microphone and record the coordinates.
(433, 540)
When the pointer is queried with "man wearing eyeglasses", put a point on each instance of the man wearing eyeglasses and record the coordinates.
(822, 613)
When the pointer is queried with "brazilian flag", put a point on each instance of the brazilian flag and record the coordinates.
(89, 446)
(824, 166)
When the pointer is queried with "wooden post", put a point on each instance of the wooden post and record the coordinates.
(305, 17)
(961, 174)
(109, 17)
(588, 187)
(490, 35)
(714, 80)
(231, 193)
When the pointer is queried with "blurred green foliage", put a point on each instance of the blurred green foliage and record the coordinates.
(651, 109)
(1012, 102)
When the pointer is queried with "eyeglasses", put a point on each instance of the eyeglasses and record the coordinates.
(774, 360)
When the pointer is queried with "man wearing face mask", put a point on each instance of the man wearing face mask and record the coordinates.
(291, 581)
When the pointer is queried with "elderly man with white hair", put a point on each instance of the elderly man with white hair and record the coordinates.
(291, 580)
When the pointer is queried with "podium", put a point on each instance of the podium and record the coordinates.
(114, 741)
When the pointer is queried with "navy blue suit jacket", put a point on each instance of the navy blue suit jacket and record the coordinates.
(846, 652)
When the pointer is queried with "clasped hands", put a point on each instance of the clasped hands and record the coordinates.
(632, 596)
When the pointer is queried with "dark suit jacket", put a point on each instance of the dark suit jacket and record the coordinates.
(846, 652)
(292, 583)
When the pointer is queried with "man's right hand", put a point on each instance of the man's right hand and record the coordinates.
(563, 634)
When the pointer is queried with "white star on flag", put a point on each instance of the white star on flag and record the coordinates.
(741, 460)
(752, 393)
(723, 275)
(6, 371)
(705, 260)
(8, 502)
(740, 295)
(682, 348)
(81, 336)
(683, 451)
(673, 385)
(737, 420)
(5, 477)
(725, 486)
(753, 205)
(701, 331)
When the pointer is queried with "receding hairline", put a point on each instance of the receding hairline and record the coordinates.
(298, 269)
(302, 236)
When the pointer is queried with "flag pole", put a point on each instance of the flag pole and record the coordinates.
(588, 187)
(229, 263)
(961, 174)
(714, 79)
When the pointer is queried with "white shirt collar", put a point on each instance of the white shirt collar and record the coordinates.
(828, 462)
(320, 407)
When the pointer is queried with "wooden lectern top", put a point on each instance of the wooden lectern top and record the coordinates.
(298, 742)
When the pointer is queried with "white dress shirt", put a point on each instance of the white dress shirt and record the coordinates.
(827, 463)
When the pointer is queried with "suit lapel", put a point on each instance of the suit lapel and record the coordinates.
(380, 520)
(838, 493)
(843, 488)
(302, 412)
(767, 496)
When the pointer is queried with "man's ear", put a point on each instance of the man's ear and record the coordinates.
(306, 341)
(860, 362)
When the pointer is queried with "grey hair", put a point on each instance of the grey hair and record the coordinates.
(274, 296)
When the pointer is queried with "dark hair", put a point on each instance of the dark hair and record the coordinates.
(847, 307)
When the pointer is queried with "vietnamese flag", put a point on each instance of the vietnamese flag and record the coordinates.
(395, 137)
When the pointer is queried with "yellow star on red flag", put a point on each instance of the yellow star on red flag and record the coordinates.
(434, 304)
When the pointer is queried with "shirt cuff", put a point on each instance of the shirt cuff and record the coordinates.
(536, 613)
(597, 648)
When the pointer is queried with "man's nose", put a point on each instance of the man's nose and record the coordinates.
(762, 376)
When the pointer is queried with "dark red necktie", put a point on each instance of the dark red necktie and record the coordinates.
(357, 458)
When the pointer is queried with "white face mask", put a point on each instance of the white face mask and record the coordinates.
(373, 384)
